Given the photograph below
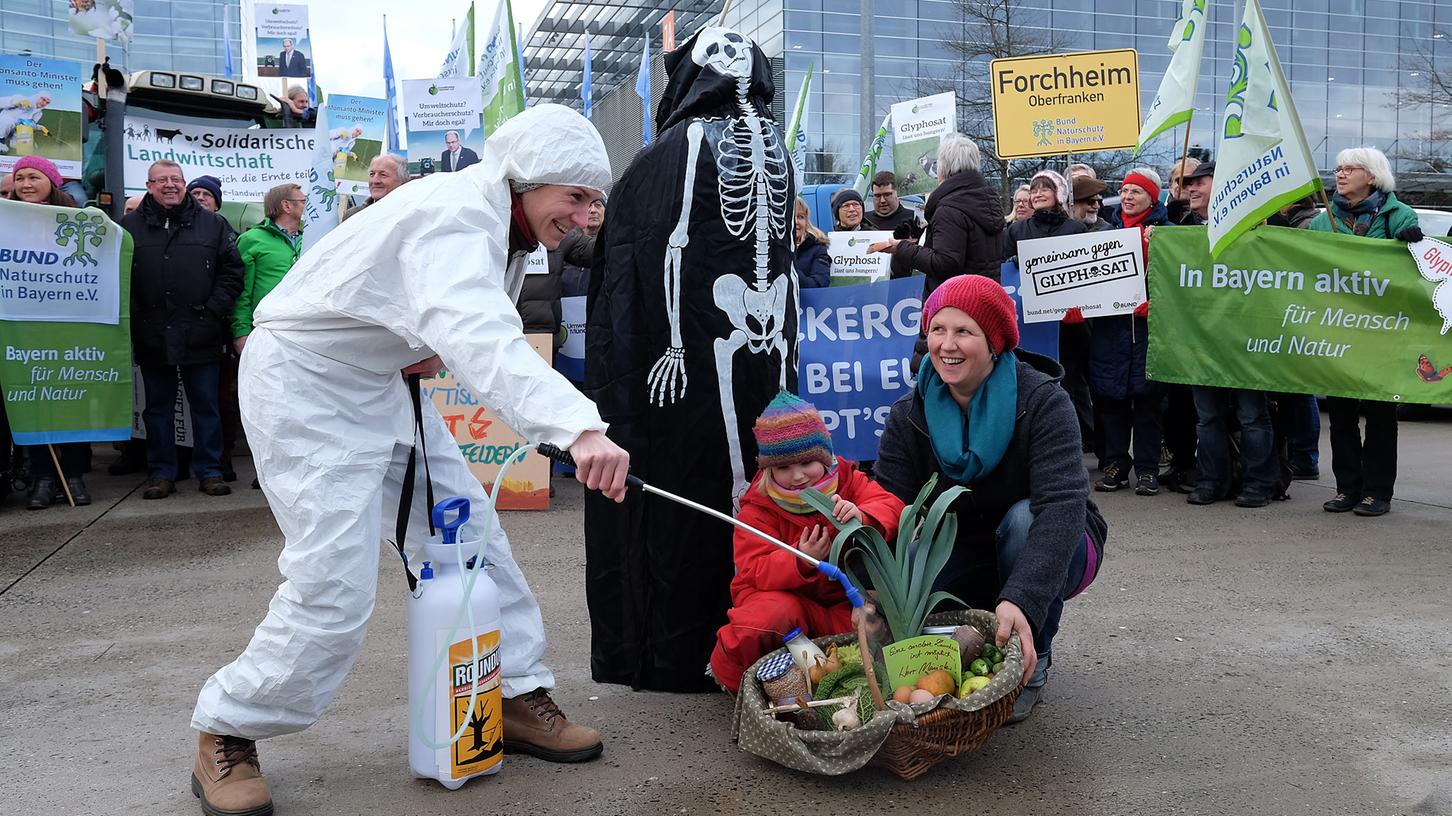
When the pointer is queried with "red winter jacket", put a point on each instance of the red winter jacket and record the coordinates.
(763, 567)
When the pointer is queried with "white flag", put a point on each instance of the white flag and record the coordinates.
(1175, 101)
(797, 131)
(320, 214)
(1264, 162)
(460, 59)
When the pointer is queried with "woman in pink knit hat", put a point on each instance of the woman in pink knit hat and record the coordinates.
(37, 181)
(992, 417)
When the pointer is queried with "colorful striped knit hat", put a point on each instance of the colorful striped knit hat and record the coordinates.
(790, 430)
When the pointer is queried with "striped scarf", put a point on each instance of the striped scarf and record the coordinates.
(791, 500)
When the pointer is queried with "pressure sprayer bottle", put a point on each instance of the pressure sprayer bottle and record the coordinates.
(456, 717)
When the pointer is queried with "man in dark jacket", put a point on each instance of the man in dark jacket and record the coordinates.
(386, 173)
(1194, 208)
(887, 211)
(185, 277)
(1088, 199)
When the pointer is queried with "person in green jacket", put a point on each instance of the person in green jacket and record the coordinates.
(268, 250)
(1364, 205)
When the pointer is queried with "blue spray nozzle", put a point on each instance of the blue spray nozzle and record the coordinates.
(450, 529)
(831, 570)
(426, 573)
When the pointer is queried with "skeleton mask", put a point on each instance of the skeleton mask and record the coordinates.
(723, 50)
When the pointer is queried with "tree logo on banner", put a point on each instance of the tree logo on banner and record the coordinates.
(433, 90)
(327, 195)
(1239, 82)
(82, 229)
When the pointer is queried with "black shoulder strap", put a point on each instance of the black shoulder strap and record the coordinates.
(405, 495)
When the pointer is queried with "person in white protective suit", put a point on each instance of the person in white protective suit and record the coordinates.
(20, 108)
(433, 269)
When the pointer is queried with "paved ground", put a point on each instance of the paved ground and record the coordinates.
(1227, 661)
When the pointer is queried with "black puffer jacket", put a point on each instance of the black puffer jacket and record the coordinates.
(1043, 464)
(539, 297)
(1042, 224)
(185, 276)
(964, 235)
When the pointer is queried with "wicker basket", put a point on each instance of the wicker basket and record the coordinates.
(906, 740)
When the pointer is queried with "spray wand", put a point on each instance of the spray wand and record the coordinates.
(827, 568)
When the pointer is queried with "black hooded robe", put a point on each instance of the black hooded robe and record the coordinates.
(658, 574)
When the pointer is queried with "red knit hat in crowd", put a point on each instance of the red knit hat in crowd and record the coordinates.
(985, 301)
(1144, 183)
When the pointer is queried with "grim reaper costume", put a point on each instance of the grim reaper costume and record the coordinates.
(691, 329)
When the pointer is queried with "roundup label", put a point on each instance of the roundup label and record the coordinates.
(482, 745)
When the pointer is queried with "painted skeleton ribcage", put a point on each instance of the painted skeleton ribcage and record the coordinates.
(752, 167)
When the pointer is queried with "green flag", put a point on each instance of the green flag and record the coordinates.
(1299, 311)
(64, 277)
(498, 72)
(874, 152)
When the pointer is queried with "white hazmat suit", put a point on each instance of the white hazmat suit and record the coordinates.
(425, 270)
(16, 109)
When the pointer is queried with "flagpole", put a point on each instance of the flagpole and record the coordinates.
(1330, 213)
(1185, 154)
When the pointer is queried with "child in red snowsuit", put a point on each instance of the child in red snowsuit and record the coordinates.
(775, 591)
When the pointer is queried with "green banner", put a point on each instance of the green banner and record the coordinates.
(1296, 311)
(65, 381)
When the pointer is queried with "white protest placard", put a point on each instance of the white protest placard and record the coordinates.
(281, 40)
(40, 112)
(247, 161)
(538, 262)
(917, 127)
(59, 264)
(852, 263)
(1099, 273)
(440, 115)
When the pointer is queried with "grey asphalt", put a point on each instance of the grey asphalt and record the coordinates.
(1227, 661)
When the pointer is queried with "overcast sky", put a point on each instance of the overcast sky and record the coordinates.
(348, 38)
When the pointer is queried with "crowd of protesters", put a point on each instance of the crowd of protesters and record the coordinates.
(1211, 444)
(195, 283)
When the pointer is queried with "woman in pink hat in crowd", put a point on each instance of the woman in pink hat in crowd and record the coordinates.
(991, 417)
(37, 181)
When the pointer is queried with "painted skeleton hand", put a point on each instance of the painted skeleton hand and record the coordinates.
(667, 378)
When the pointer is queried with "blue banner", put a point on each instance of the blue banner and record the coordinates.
(855, 357)
(856, 351)
(1040, 338)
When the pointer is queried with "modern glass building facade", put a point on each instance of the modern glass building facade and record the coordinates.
(177, 35)
(1346, 60)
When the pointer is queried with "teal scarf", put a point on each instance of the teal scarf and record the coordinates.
(970, 446)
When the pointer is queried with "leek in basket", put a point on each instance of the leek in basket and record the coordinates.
(902, 575)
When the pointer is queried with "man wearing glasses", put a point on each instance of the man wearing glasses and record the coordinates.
(185, 276)
(1088, 198)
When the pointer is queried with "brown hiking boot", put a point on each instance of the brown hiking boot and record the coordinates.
(533, 724)
(158, 488)
(215, 486)
(228, 778)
